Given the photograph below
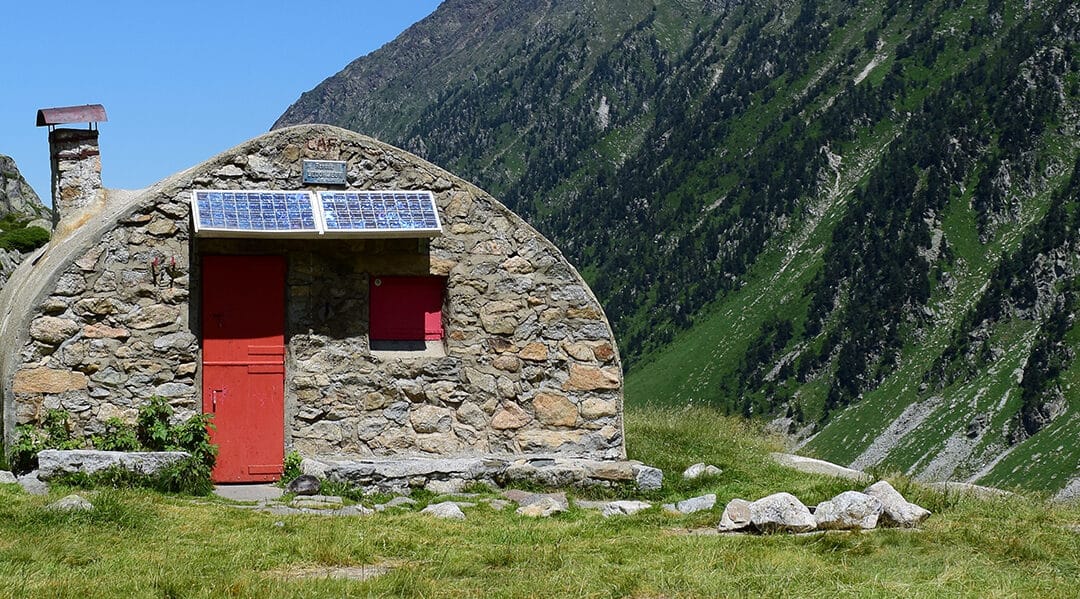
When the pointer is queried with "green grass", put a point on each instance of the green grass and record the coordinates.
(142, 544)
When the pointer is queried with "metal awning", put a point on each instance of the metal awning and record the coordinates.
(87, 113)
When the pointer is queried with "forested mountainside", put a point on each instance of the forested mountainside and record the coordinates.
(860, 220)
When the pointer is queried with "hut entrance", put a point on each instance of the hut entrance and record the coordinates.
(243, 359)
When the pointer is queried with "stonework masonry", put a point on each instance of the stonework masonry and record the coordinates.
(109, 316)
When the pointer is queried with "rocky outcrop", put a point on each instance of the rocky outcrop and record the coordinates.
(16, 195)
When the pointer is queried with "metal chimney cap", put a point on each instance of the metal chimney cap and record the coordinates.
(87, 113)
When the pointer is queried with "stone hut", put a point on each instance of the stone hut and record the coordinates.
(479, 341)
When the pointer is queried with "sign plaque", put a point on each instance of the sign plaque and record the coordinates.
(324, 172)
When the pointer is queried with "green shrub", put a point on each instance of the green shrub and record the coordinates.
(24, 240)
(52, 434)
(118, 436)
(292, 466)
(152, 432)
(152, 425)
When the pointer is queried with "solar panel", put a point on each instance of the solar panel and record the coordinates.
(380, 213)
(254, 212)
(259, 213)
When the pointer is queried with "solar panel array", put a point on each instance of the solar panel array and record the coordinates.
(255, 211)
(379, 211)
(297, 213)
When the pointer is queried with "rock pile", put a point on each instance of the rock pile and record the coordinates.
(880, 504)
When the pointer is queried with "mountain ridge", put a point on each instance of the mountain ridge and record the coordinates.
(833, 215)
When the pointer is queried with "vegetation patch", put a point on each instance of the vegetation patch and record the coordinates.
(154, 430)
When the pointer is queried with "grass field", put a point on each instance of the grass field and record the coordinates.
(141, 544)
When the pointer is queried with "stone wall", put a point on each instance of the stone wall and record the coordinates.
(528, 363)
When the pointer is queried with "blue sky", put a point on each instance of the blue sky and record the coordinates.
(181, 81)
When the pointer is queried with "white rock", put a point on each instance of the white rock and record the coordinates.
(849, 510)
(648, 478)
(7, 478)
(897, 510)
(446, 509)
(71, 503)
(445, 487)
(623, 508)
(781, 512)
(542, 508)
(696, 504)
(699, 470)
(736, 516)
(313, 468)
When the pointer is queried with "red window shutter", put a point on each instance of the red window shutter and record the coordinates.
(406, 308)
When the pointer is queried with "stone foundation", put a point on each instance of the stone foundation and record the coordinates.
(400, 475)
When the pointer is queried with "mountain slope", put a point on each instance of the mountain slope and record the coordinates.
(19, 206)
(857, 219)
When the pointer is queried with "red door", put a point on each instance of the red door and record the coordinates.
(243, 322)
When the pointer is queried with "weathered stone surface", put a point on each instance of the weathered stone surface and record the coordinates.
(534, 352)
(518, 265)
(781, 512)
(7, 478)
(71, 503)
(32, 484)
(48, 380)
(305, 484)
(500, 317)
(554, 410)
(696, 504)
(445, 487)
(578, 351)
(54, 462)
(699, 470)
(623, 508)
(897, 511)
(447, 510)
(541, 508)
(154, 316)
(511, 416)
(648, 478)
(849, 510)
(430, 419)
(591, 378)
(314, 468)
(594, 408)
(317, 502)
(52, 330)
(102, 331)
(507, 363)
(736, 516)
(178, 340)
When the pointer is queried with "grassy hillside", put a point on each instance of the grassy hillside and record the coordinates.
(859, 220)
(137, 544)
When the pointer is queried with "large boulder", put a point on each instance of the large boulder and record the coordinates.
(57, 462)
(849, 510)
(781, 512)
(897, 510)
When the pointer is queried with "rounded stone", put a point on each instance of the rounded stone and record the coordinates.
(305, 484)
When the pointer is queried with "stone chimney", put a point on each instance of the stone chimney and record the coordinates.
(76, 158)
